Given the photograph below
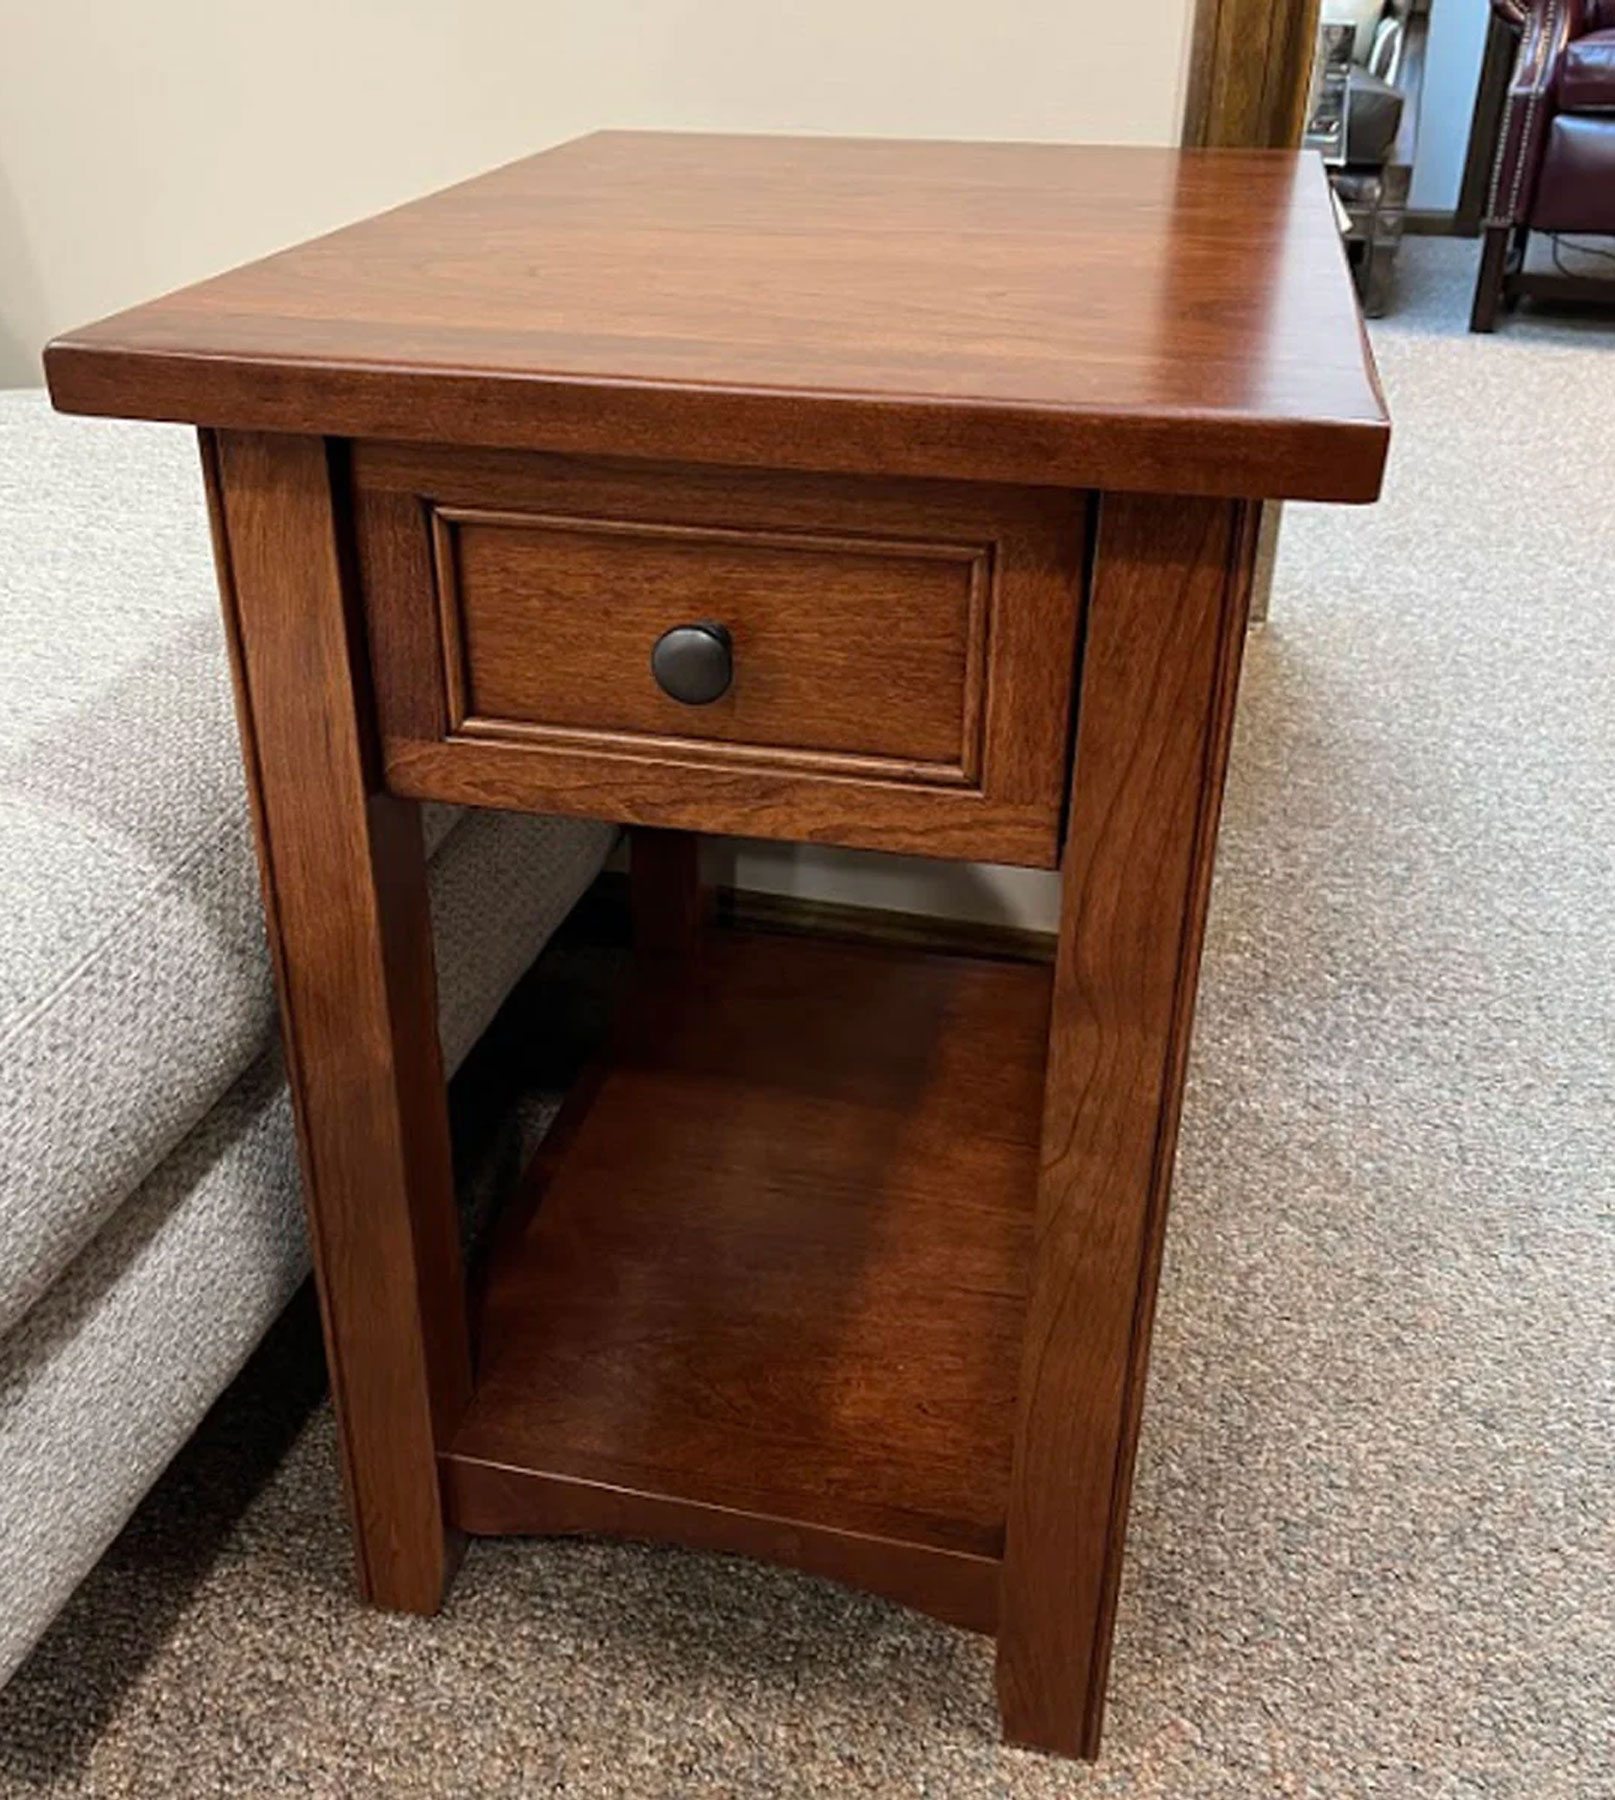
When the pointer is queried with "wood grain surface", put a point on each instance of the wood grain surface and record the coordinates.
(1120, 318)
(1165, 634)
(902, 649)
(777, 1277)
(1250, 71)
(344, 879)
(554, 621)
(844, 1255)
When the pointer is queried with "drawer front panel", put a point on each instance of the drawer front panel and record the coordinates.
(870, 648)
(901, 651)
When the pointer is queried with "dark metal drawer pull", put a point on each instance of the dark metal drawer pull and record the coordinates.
(694, 664)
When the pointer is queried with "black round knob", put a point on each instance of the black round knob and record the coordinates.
(694, 664)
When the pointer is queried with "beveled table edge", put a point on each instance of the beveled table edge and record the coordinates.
(1160, 450)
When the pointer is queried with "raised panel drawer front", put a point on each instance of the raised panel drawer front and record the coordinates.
(841, 647)
(870, 662)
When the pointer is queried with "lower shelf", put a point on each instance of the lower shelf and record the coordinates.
(770, 1293)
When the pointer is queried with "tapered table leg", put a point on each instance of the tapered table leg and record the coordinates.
(1160, 665)
(345, 894)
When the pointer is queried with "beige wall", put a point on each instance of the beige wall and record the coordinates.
(146, 143)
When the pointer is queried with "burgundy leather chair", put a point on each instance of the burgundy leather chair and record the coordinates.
(1555, 165)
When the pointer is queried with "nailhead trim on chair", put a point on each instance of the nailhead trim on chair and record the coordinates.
(1544, 23)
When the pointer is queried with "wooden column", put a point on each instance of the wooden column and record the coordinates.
(1250, 71)
(344, 882)
(1250, 74)
(1160, 665)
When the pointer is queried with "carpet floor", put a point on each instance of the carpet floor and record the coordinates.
(1374, 1523)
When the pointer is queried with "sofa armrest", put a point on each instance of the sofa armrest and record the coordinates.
(1545, 27)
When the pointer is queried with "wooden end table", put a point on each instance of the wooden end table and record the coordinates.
(863, 493)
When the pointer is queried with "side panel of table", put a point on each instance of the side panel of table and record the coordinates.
(345, 897)
(1166, 626)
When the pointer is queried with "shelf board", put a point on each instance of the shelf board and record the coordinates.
(766, 1288)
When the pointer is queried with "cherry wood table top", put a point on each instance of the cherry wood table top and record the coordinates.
(1157, 320)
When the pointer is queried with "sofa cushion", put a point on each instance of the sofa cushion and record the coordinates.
(1587, 75)
(114, 1367)
(134, 981)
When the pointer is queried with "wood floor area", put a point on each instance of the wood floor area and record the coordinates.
(770, 1292)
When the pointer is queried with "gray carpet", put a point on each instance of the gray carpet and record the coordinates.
(1373, 1528)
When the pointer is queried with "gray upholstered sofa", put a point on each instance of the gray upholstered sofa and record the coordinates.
(149, 1215)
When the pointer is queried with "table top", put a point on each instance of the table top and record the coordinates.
(1174, 321)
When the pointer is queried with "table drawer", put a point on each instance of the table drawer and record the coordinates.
(874, 662)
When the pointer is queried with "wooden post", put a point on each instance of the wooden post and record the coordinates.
(1165, 631)
(1250, 73)
(344, 880)
(666, 894)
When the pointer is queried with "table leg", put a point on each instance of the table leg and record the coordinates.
(1164, 634)
(667, 897)
(345, 896)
